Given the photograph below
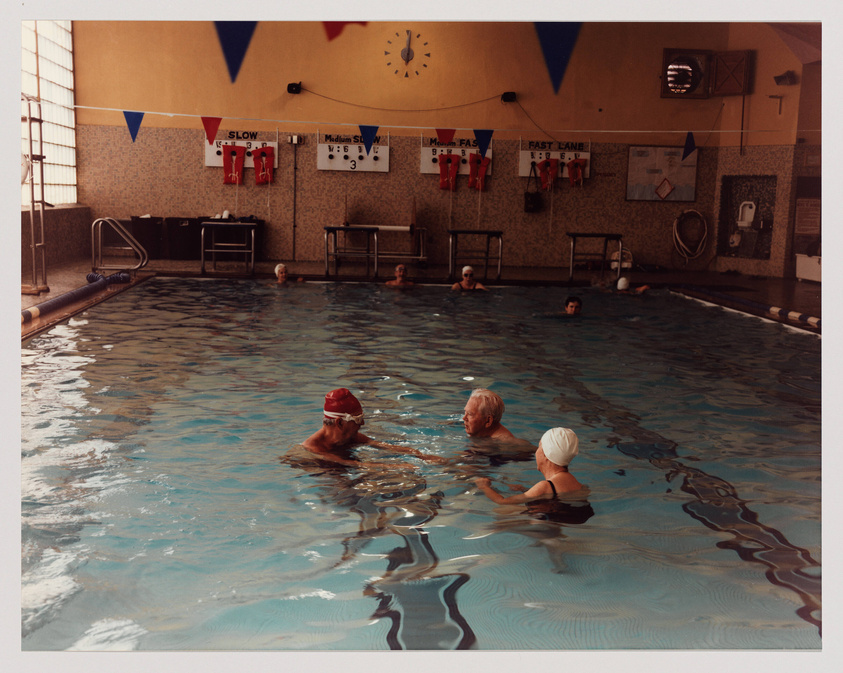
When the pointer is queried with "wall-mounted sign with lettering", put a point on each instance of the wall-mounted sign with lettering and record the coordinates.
(538, 150)
(213, 153)
(432, 149)
(352, 156)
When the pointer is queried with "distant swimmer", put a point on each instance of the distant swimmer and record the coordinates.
(281, 274)
(468, 284)
(573, 306)
(400, 279)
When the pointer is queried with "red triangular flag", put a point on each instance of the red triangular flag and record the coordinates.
(445, 135)
(211, 125)
(334, 28)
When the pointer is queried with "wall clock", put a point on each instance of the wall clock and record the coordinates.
(407, 54)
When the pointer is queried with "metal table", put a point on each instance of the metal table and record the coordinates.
(470, 255)
(246, 246)
(335, 251)
(606, 238)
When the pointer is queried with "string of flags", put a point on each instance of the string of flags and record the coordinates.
(557, 41)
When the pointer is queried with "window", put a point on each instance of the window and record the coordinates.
(47, 76)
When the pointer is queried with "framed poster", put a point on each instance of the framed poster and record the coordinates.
(660, 174)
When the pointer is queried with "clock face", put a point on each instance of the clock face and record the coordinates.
(407, 54)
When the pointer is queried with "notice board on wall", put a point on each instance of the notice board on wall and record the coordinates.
(660, 174)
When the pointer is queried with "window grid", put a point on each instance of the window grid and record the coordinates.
(47, 74)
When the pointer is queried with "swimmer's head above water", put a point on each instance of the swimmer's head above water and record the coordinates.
(340, 403)
(560, 445)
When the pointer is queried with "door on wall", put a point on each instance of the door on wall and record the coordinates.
(754, 241)
(807, 231)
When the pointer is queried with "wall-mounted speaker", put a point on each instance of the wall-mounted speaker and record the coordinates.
(685, 73)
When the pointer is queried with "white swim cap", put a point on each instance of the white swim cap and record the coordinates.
(467, 268)
(623, 283)
(560, 445)
(278, 267)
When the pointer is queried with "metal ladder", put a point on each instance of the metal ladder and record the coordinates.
(132, 244)
(33, 169)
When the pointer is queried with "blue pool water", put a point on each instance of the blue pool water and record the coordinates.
(161, 509)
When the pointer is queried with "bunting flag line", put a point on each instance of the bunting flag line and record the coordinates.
(133, 121)
(212, 125)
(445, 135)
(368, 133)
(557, 39)
(334, 28)
(235, 37)
(690, 145)
(484, 137)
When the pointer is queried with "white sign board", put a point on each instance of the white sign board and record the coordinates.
(430, 158)
(526, 158)
(352, 157)
(213, 153)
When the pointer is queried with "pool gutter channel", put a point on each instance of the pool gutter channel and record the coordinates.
(774, 313)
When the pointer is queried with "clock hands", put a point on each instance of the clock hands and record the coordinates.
(406, 52)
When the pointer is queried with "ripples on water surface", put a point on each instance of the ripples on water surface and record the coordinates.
(158, 515)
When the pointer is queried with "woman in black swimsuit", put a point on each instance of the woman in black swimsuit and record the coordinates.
(557, 448)
(468, 283)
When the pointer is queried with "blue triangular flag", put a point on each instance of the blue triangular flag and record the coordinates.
(690, 145)
(133, 121)
(557, 39)
(368, 133)
(234, 39)
(483, 137)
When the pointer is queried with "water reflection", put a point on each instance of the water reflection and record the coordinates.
(417, 592)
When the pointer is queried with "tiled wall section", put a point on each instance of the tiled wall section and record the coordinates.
(67, 236)
(163, 174)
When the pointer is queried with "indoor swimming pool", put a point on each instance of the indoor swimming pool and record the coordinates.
(164, 509)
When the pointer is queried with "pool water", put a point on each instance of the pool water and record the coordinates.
(163, 507)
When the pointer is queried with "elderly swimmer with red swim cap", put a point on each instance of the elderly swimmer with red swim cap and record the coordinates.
(340, 432)
(557, 448)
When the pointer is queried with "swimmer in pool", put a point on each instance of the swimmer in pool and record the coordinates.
(281, 274)
(400, 279)
(557, 448)
(482, 415)
(340, 432)
(468, 284)
(623, 287)
(573, 306)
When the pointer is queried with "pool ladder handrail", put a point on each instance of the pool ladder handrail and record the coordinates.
(96, 245)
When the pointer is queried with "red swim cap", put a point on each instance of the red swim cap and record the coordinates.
(343, 402)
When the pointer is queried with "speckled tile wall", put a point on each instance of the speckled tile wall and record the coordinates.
(163, 174)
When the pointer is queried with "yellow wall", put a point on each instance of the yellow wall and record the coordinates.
(175, 72)
(610, 90)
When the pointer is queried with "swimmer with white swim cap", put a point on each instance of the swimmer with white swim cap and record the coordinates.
(623, 287)
(281, 273)
(557, 448)
(468, 284)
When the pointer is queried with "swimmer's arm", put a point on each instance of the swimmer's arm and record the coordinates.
(352, 462)
(533, 493)
(428, 457)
